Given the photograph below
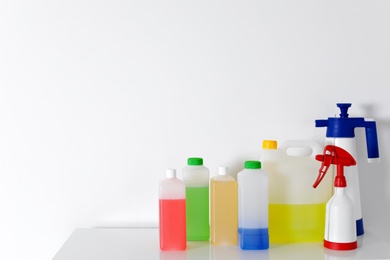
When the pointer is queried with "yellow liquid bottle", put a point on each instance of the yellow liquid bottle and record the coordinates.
(223, 209)
(296, 210)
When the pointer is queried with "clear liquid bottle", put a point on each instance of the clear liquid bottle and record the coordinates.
(253, 207)
(223, 209)
(172, 211)
(196, 178)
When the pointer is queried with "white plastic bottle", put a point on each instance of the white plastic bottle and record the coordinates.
(253, 207)
(340, 227)
(172, 209)
(340, 131)
(196, 178)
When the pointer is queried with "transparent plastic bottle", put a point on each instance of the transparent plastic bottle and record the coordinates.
(223, 209)
(172, 209)
(196, 178)
(296, 210)
(253, 207)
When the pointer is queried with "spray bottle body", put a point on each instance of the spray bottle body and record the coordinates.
(340, 131)
(352, 178)
(340, 228)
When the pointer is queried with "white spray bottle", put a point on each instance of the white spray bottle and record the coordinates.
(340, 227)
(341, 132)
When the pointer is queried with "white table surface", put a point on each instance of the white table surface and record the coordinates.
(143, 243)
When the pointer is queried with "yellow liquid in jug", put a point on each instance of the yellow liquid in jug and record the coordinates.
(295, 223)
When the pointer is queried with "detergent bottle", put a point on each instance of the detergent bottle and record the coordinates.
(296, 211)
(341, 132)
(223, 209)
(196, 178)
(340, 225)
(253, 207)
(172, 211)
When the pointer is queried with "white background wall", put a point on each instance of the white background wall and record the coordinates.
(98, 98)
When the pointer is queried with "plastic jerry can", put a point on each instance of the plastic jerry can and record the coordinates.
(253, 207)
(296, 210)
(223, 209)
(196, 178)
(172, 211)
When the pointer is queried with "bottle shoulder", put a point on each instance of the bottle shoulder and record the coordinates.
(171, 182)
(171, 188)
(225, 178)
(189, 169)
(196, 176)
(251, 172)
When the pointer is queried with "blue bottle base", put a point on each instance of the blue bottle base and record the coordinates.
(359, 227)
(253, 238)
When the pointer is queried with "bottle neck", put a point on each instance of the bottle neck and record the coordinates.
(339, 191)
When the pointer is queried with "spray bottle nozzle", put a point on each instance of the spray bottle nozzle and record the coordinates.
(337, 156)
(344, 109)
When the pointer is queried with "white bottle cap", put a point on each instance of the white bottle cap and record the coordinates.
(170, 173)
(222, 170)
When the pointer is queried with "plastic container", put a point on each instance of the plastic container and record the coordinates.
(196, 178)
(340, 225)
(223, 209)
(253, 207)
(340, 131)
(296, 210)
(172, 211)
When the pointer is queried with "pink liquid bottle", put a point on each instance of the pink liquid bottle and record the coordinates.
(172, 194)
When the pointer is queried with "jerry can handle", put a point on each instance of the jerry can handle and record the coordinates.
(314, 146)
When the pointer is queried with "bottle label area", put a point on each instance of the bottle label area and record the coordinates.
(172, 224)
(223, 212)
(294, 223)
(197, 211)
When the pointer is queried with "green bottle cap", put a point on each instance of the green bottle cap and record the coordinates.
(252, 165)
(195, 161)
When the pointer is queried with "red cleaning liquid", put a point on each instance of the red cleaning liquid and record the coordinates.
(173, 224)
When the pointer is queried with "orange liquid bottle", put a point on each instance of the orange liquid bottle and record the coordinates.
(223, 209)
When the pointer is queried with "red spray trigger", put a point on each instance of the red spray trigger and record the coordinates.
(337, 156)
